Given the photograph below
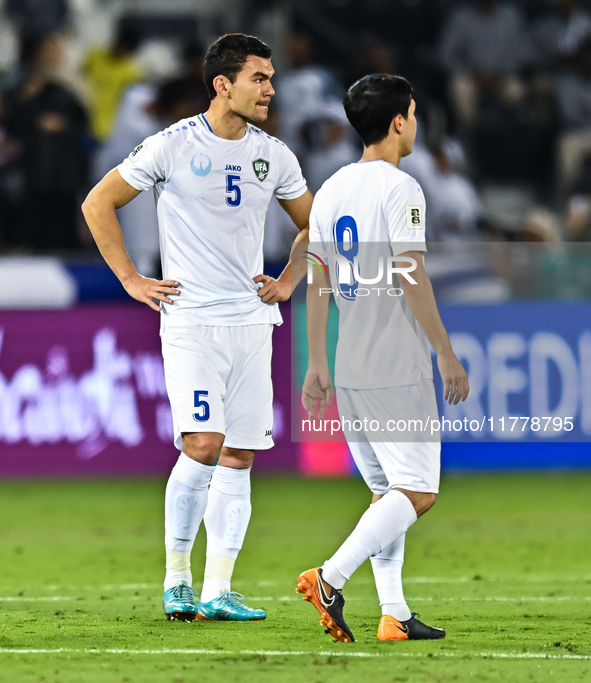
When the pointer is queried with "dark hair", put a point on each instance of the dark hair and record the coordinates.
(373, 101)
(127, 38)
(175, 91)
(30, 46)
(193, 50)
(227, 55)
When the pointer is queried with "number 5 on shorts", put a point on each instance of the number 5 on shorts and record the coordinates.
(201, 416)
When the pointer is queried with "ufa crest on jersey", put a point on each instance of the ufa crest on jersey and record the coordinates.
(261, 168)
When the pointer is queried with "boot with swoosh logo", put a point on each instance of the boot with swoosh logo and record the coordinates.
(328, 601)
(411, 629)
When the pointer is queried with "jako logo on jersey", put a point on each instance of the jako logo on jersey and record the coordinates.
(201, 164)
(269, 432)
(261, 168)
(229, 167)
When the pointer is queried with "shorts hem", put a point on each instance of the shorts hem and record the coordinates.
(265, 447)
(381, 492)
(414, 489)
(197, 430)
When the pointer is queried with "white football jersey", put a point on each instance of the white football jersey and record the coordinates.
(372, 210)
(212, 197)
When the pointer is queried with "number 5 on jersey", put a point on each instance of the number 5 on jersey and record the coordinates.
(233, 189)
(203, 406)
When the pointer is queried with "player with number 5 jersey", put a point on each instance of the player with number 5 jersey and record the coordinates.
(213, 176)
(212, 198)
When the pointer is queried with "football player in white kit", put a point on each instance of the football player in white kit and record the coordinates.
(383, 367)
(213, 176)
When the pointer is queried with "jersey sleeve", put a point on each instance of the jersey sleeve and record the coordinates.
(315, 234)
(290, 183)
(405, 216)
(148, 164)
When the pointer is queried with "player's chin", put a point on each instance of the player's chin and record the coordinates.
(260, 113)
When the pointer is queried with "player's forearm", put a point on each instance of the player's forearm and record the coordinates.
(103, 224)
(317, 324)
(296, 268)
(422, 303)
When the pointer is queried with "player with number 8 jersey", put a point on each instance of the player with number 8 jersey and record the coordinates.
(369, 213)
(213, 176)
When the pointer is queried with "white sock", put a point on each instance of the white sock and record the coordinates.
(185, 503)
(218, 576)
(380, 525)
(178, 568)
(387, 570)
(226, 520)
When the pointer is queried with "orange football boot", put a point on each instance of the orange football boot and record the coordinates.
(411, 629)
(328, 601)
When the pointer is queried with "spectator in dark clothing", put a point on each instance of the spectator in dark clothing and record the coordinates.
(371, 56)
(49, 125)
(38, 17)
(558, 36)
(483, 50)
(193, 57)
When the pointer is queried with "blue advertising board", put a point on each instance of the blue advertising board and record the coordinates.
(529, 365)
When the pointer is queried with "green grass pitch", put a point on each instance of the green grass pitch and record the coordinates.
(503, 563)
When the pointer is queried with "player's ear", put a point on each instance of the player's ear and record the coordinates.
(397, 124)
(220, 84)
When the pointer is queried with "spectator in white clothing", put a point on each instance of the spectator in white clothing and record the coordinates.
(456, 208)
(332, 144)
(145, 110)
(573, 95)
(301, 90)
(453, 206)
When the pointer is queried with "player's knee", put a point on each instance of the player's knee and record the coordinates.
(422, 502)
(425, 503)
(236, 458)
(204, 447)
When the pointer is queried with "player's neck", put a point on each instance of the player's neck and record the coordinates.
(386, 150)
(224, 122)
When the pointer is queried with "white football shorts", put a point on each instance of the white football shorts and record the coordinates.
(218, 379)
(411, 463)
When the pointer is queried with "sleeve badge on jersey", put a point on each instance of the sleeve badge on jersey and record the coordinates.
(261, 168)
(414, 217)
(135, 152)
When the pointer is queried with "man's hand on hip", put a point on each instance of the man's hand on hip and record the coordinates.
(146, 289)
(272, 290)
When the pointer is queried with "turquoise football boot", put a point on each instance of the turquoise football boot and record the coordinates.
(179, 602)
(228, 606)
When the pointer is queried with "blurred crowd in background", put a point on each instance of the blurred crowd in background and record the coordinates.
(503, 93)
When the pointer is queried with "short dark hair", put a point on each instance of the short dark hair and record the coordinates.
(127, 38)
(373, 101)
(227, 55)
